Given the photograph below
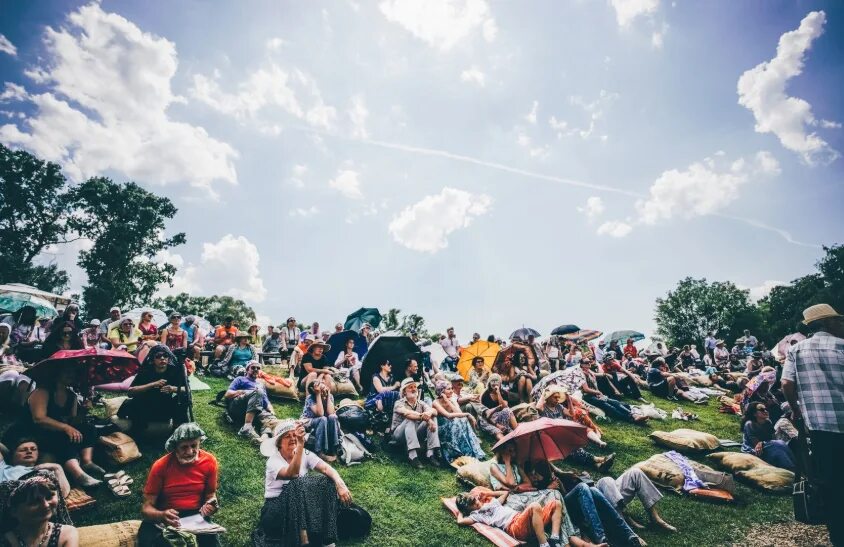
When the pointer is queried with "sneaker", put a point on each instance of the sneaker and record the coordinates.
(605, 465)
(249, 433)
(415, 463)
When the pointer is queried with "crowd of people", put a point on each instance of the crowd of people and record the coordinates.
(428, 413)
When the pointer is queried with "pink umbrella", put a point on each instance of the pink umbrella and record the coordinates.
(784, 344)
(99, 366)
(545, 439)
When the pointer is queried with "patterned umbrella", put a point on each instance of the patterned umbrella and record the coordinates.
(506, 354)
(623, 335)
(487, 350)
(545, 439)
(12, 302)
(583, 335)
(98, 366)
(565, 329)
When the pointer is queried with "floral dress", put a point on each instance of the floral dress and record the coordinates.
(457, 438)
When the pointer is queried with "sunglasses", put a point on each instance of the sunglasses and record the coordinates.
(761, 410)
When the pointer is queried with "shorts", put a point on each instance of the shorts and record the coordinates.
(520, 527)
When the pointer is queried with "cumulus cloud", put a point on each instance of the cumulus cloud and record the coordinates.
(473, 75)
(441, 23)
(594, 112)
(105, 108)
(762, 91)
(626, 11)
(426, 225)
(594, 207)
(6, 46)
(291, 91)
(763, 290)
(13, 92)
(229, 266)
(615, 228)
(347, 183)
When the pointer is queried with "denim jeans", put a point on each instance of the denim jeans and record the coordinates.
(326, 432)
(614, 408)
(596, 516)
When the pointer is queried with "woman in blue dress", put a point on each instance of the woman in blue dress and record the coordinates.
(457, 438)
(239, 353)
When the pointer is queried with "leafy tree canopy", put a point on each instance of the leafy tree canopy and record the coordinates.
(213, 308)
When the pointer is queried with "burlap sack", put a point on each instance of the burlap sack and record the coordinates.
(112, 405)
(770, 478)
(344, 389)
(282, 392)
(120, 448)
(736, 461)
(664, 472)
(116, 534)
(686, 440)
(475, 473)
(525, 412)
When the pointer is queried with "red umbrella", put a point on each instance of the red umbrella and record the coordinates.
(100, 366)
(545, 439)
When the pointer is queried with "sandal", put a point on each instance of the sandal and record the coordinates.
(125, 480)
(121, 491)
(118, 475)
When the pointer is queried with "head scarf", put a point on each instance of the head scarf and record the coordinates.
(186, 431)
(156, 351)
(440, 387)
(10, 490)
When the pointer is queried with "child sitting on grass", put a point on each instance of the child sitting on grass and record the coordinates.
(530, 523)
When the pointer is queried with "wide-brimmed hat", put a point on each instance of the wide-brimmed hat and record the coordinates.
(454, 377)
(240, 334)
(719, 342)
(114, 308)
(175, 314)
(406, 382)
(94, 322)
(269, 447)
(554, 389)
(184, 432)
(818, 312)
(319, 343)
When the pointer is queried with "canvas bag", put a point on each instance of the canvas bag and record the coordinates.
(120, 448)
(353, 451)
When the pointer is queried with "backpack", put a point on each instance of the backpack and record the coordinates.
(353, 522)
(352, 450)
(353, 418)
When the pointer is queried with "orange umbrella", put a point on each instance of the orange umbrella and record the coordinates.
(481, 348)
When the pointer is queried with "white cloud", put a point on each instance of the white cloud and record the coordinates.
(304, 212)
(346, 182)
(827, 124)
(426, 225)
(766, 163)
(7, 46)
(294, 92)
(473, 75)
(594, 207)
(229, 267)
(657, 39)
(441, 23)
(358, 114)
(628, 10)
(593, 110)
(275, 44)
(530, 117)
(297, 174)
(106, 107)
(615, 228)
(13, 92)
(762, 91)
(763, 290)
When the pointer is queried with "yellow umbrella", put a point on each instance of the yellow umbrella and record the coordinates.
(481, 348)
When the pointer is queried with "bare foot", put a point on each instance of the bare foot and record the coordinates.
(86, 481)
(575, 541)
(664, 525)
(632, 522)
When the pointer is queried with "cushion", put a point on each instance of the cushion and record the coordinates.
(120, 448)
(525, 412)
(112, 405)
(686, 440)
(78, 499)
(116, 534)
(664, 472)
(344, 389)
(282, 392)
(736, 461)
(770, 478)
(349, 402)
(497, 536)
(475, 472)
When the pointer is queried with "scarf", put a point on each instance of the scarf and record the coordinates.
(690, 478)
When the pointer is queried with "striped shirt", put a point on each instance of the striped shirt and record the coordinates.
(816, 366)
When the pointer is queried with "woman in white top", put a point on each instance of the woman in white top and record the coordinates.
(348, 362)
(298, 508)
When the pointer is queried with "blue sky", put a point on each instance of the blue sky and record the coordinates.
(483, 164)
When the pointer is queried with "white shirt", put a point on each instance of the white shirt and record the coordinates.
(354, 359)
(599, 355)
(450, 346)
(275, 464)
(494, 514)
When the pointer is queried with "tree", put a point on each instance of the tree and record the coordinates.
(391, 320)
(126, 225)
(696, 307)
(33, 213)
(213, 308)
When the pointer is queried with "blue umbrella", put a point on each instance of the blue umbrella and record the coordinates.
(356, 319)
(338, 340)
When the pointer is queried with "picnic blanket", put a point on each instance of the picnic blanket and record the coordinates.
(496, 535)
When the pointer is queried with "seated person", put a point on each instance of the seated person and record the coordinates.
(238, 353)
(633, 483)
(33, 512)
(382, 396)
(53, 421)
(415, 421)
(247, 400)
(663, 384)
(722, 356)
(588, 508)
(63, 336)
(497, 406)
(23, 460)
(320, 419)
(754, 364)
(124, 335)
(300, 508)
(91, 334)
(158, 392)
(181, 483)
(523, 526)
(513, 379)
(272, 343)
(314, 365)
(582, 379)
(149, 331)
(469, 401)
(629, 349)
(478, 376)
(195, 337)
(350, 361)
(457, 438)
(14, 391)
(573, 356)
(621, 380)
(758, 438)
(175, 337)
(555, 403)
(224, 337)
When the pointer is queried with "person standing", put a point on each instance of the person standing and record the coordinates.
(451, 346)
(709, 345)
(813, 383)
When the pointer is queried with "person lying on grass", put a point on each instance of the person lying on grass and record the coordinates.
(23, 457)
(525, 525)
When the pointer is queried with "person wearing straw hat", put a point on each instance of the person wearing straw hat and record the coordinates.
(813, 384)
(314, 365)
(299, 508)
(181, 483)
(414, 421)
(239, 353)
(247, 401)
(721, 355)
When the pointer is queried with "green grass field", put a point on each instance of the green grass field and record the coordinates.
(404, 502)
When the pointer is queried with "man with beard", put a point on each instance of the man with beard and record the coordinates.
(247, 400)
(181, 483)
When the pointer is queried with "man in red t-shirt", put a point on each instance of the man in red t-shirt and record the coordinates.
(621, 381)
(224, 336)
(183, 482)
